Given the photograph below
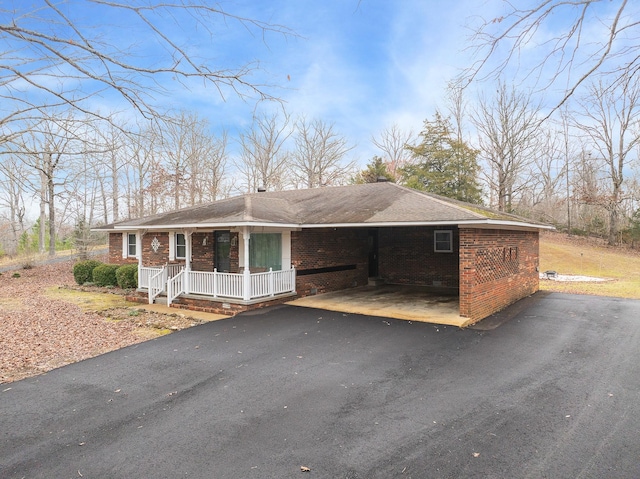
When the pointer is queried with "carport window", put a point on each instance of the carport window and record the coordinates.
(443, 241)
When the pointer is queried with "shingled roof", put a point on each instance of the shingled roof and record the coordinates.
(371, 204)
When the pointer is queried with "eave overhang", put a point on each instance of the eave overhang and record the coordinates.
(475, 223)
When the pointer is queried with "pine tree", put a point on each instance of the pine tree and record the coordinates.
(443, 164)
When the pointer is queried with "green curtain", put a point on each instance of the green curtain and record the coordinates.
(265, 251)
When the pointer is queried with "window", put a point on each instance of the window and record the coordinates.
(443, 241)
(131, 245)
(265, 251)
(181, 246)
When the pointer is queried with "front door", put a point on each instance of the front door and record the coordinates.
(373, 253)
(223, 251)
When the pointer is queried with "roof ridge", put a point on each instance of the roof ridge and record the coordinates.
(437, 198)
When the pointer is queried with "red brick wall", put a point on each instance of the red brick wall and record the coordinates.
(406, 256)
(234, 254)
(115, 250)
(329, 247)
(497, 268)
(156, 258)
(202, 254)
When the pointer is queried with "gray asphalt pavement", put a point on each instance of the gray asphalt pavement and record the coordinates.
(549, 389)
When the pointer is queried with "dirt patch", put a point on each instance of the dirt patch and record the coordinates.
(46, 321)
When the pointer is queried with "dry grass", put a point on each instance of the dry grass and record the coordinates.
(87, 300)
(579, 256)
(32, 259)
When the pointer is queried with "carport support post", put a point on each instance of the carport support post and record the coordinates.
(246, 290)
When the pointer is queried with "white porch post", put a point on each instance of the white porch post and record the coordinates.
(187, 261)
(139, 251)
(246, 293)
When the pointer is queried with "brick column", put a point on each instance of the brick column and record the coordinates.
(467, 271)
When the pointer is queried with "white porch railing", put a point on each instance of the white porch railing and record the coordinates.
(272, 283)
(144, 275)
(146, 272)
(157, 283)
(175, 286)
(226, 285)
(215, 284)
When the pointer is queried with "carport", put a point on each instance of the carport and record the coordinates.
(412, 303)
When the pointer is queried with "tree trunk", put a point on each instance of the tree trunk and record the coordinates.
(115, 193)
(52, 218)
(43, 213)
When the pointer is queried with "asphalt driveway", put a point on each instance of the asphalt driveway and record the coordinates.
(552, 392)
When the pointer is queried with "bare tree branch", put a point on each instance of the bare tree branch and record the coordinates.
(598, 38)
(59, 53)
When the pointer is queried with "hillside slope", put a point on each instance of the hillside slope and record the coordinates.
(589, 257)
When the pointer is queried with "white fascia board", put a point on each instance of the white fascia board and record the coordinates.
(208, 226)
(486, 223)
(111, 230)
(510, 225)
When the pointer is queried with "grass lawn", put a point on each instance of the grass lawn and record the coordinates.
(579, 256)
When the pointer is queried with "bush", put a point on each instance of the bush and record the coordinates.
(105, 275)
(83, 271)
(127, 276)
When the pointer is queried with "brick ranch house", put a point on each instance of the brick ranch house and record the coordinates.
(253, 250)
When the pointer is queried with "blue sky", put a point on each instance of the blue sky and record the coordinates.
(361, 64)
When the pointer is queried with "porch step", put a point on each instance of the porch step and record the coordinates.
(160, 300)
(377, 281)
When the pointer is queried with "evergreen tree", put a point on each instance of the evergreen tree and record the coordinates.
(375, 169)
(443, 164)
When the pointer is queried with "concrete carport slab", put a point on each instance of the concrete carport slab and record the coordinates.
(412, 303)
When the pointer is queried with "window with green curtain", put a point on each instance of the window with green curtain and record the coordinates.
(265, 251)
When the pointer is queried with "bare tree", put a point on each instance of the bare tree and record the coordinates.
(264, 156)
(507, 126)
(206, 163)
(13, 176)
(457, 106)
(392, 142)
(595, 37)
(589, 183)
(48, 148)
(59, 55)
(109, 150)
(612, 115)
(545, 177)
(211, 182)
(142, 158)
(319, 156)
(84, 193)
